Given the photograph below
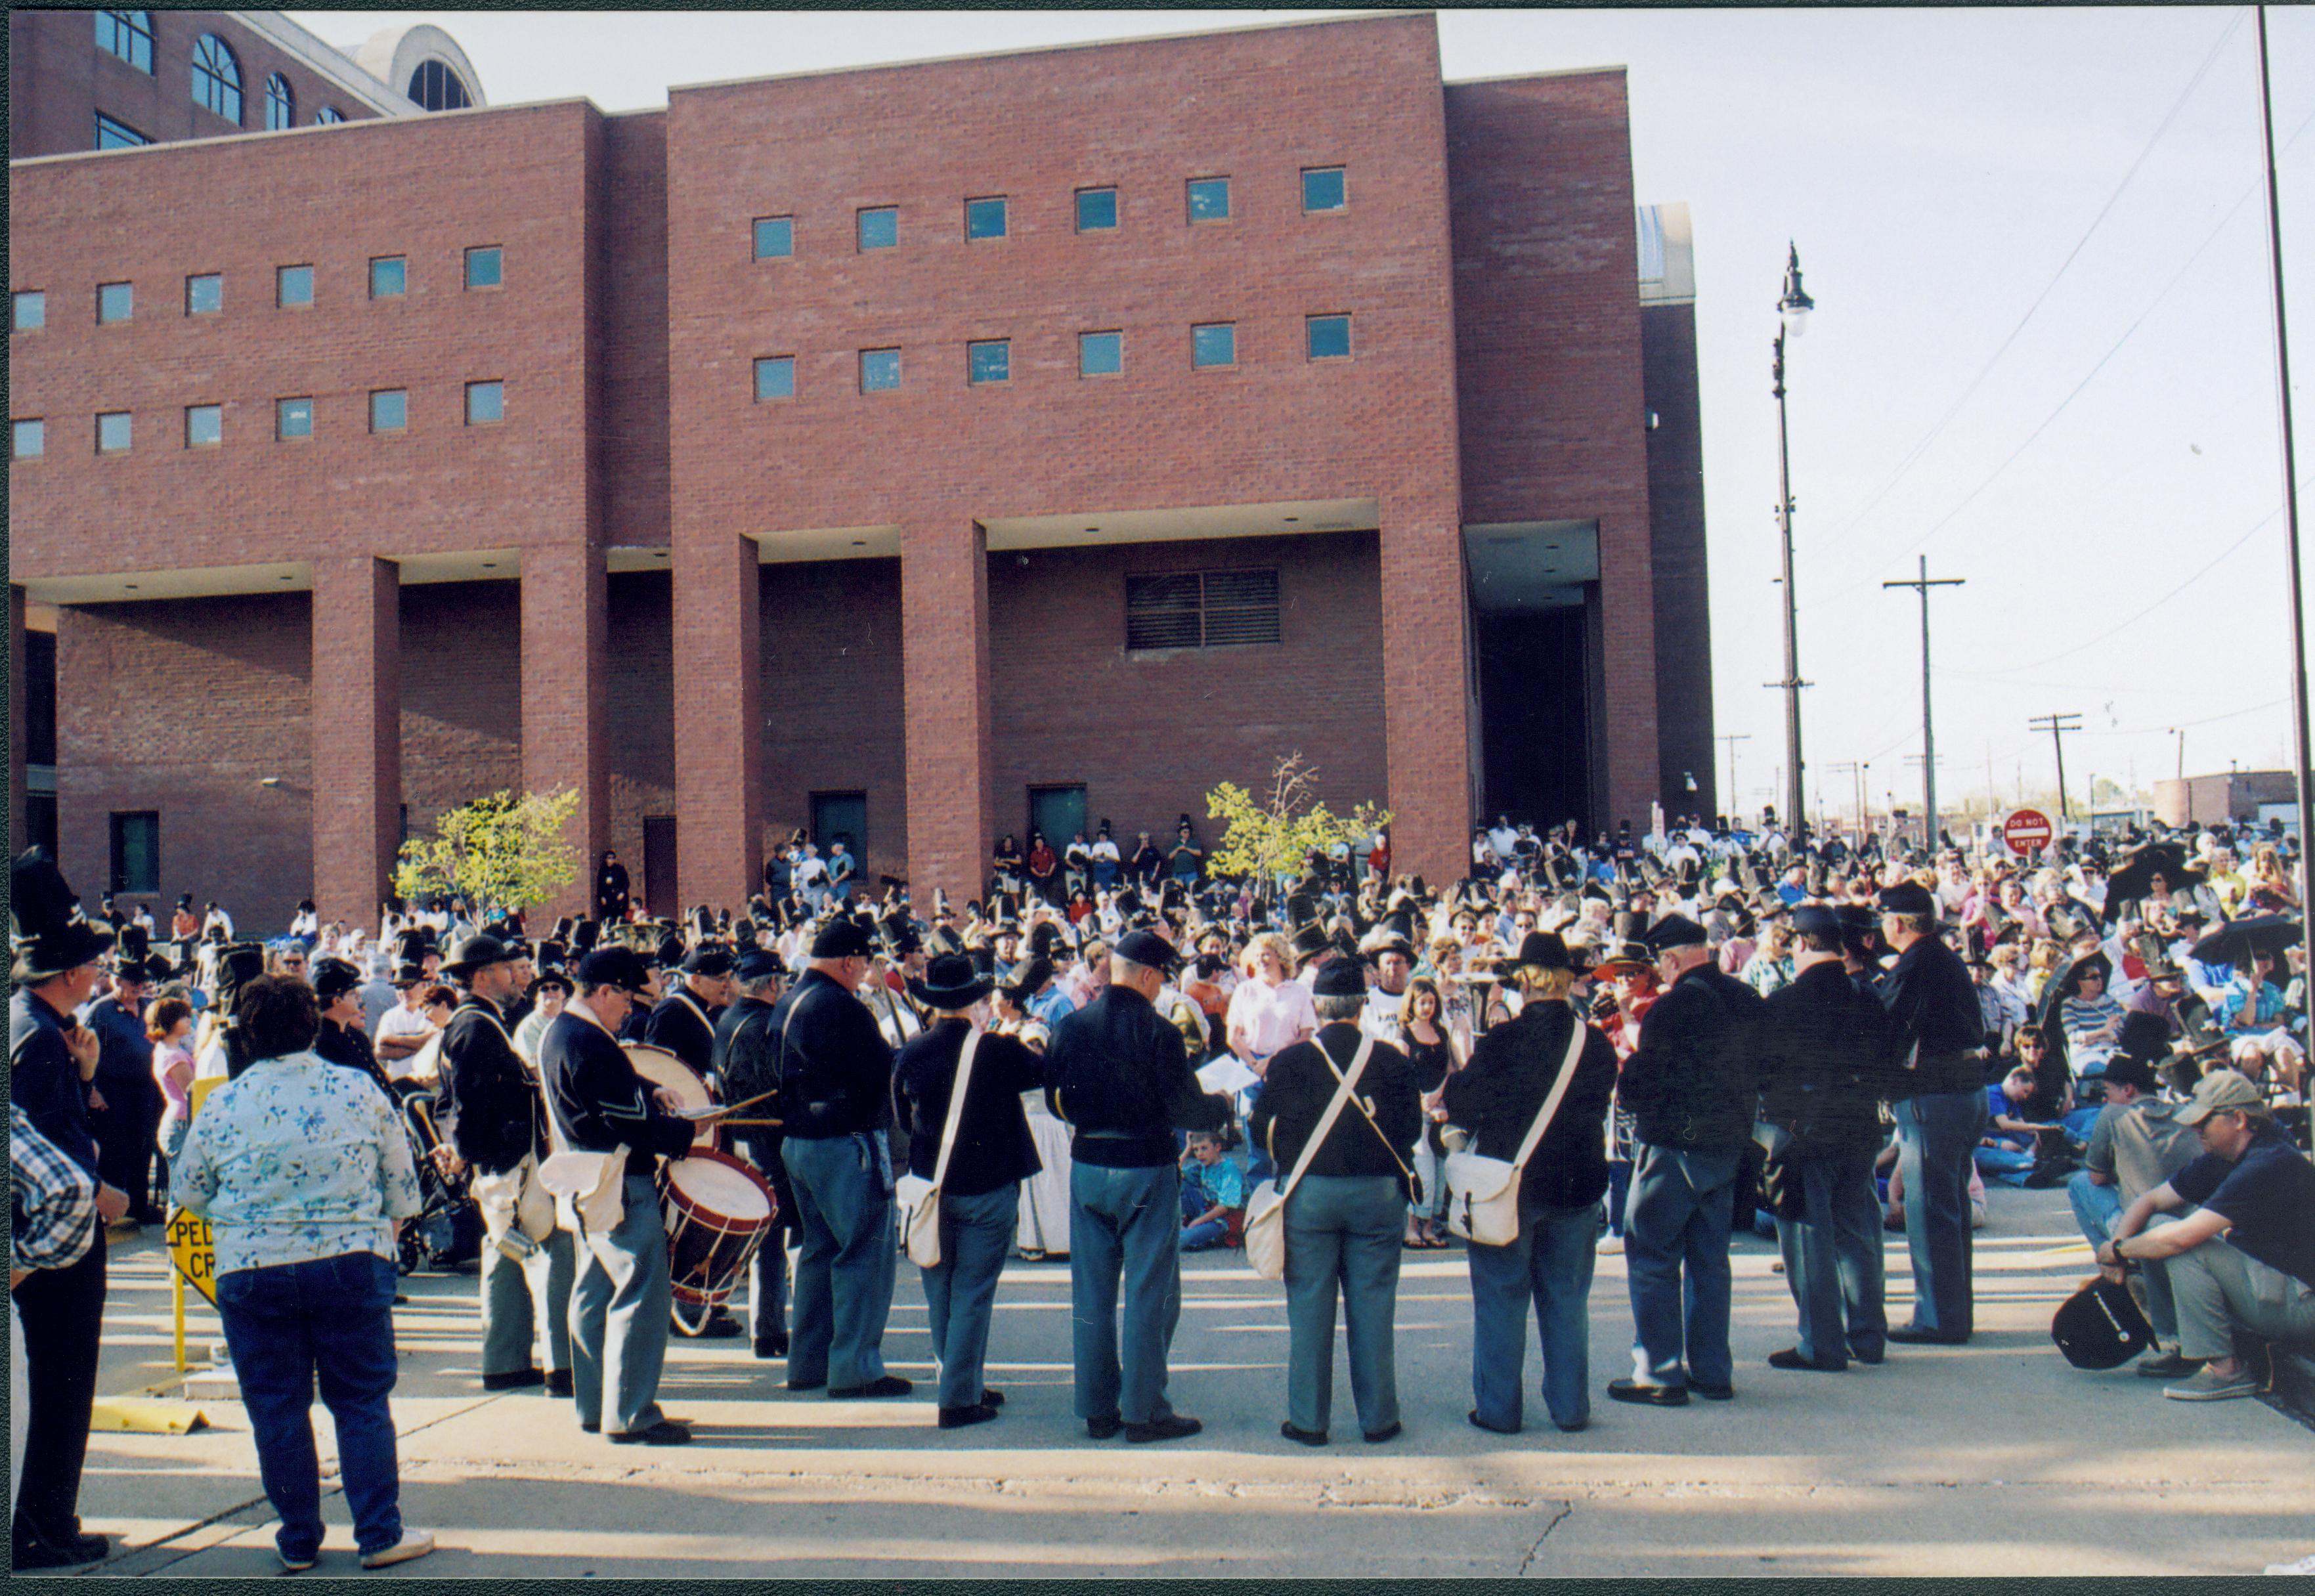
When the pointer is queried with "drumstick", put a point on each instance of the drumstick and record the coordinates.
(750, 1102)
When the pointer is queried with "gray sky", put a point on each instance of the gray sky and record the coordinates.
(2087, 180)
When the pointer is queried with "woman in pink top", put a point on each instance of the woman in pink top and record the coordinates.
(169, 1023)
(1270, 1009)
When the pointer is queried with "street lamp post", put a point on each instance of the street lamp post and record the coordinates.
(1792, 311)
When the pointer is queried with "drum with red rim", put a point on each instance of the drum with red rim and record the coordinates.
(718, 1210)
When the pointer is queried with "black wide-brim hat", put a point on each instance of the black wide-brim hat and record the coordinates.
(479, 952)
(953, 981)
(50, 936)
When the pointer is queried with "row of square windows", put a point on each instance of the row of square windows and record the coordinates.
(293, 288)
(1206, 200)
(293, 417)
(1099, 354)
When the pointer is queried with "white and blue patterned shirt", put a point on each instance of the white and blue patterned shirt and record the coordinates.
(296, 1159)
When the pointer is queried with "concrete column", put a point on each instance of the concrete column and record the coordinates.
(1426, 674)
(565, 738)
(719, 721)
(357, 719)
(19, 829)
(944, 677)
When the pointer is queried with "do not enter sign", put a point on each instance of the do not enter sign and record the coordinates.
(2026, 831)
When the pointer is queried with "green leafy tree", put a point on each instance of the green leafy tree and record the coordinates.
(504, 851)
(1268, 837)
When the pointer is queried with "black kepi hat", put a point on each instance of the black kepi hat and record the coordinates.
(1150, 950)
(843, 939)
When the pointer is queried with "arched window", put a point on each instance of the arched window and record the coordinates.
(217, 78)
(128, 34)
(281, 104)
(438, 88)
(328, 114)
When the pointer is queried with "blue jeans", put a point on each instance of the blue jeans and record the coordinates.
(1676, 1256)
(1195, 1200)
(1549, 1264)
(1343, 1233)
(1122, 1232)
(2007, 1165)
(961, 1295)
(845, 1258)
(1936, 1134)
(331, 1321)
(1833, 1258)
(619, 1307)
(2096, 1209)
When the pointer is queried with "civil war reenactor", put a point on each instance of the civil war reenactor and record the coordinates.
(747, 1073)
(684, 1021)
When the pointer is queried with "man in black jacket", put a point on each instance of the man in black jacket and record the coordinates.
(1940, 1109)
(747, 1066)
(684, 1021)
(1119, 1075)
(1692, 1088)
(836, 1097)
(620, 1302)
(490, 1114)
(1825, 1058)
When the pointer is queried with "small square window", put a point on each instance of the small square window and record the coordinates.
(1329, 337)
(389, 410)
(1322, 188)
(1214, 344)
(1209, 199)
(880, 229)
(204, 295)
(1100, 354)
(293, 417)
(204, 425)
(880, 370)
(483, 267)
(389, 277)
(32, 311)
(989, 360)
(774, 237)
(1097, 210)
(293, 285)
(115, 302)
(31, 439)
(776, 376)
(485, 403)
(112, 433)
(984, 218)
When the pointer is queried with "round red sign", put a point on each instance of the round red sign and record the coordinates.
(2026, 831)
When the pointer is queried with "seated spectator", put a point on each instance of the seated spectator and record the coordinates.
(2249, 1012)
(1213, 1196)
(2245, 1260)
(2136, 1145)
(2011, 1145)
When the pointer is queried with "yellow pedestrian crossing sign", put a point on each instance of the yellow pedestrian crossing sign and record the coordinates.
(192, 1249)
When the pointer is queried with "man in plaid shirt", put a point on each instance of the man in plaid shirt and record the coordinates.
(51, 1222)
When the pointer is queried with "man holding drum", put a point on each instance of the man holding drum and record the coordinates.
(620, 1304)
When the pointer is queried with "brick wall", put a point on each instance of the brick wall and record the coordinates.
(461, 695)
(831, 698)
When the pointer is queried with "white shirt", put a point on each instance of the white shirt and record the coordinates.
(1272, 1016)
(402, 1020)
(1379, 1019)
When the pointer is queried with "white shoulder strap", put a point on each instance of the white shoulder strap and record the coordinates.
(957, 1105)
(1343, 1091)
(1558, 1090)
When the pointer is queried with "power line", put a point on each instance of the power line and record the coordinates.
(2057, 726)
(2214, 563)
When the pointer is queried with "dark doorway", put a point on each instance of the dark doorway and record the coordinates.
(840, 815)
(1059, 813)
(1534, 716)
(659, 866)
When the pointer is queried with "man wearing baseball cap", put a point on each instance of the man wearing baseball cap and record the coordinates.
(2245, 1258)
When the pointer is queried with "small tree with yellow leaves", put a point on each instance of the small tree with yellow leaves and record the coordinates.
(1267, 837)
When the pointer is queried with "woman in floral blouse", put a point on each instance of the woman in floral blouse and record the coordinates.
(304, 1173)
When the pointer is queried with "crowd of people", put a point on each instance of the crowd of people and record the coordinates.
(1634, 1045)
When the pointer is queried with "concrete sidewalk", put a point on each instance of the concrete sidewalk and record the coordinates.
(1991, 1458)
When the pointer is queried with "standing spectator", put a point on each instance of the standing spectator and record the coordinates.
(169, 1024)
(611, 898)
(304, 1172)
(1188, 860)
(52, 1223)
(405, 1029)
(126, 1104)
(842, 870)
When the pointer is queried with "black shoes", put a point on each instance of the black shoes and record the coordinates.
(558, 1384)
(1307, 1437)
(38, 1552)
(771, 1346)
(666, 1432)
(990, 1397)
(1479, 1423)
(1625, 1390)
(797, 1385)
(1790, 1358)
(1914, 1335)
(957, 1418)
(1391, 1431)
(514, 1380)
(884, 1385)
(1712, 1393)
(1172, 1427)
(1103, 1429)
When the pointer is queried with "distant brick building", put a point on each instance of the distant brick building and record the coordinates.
(916, 453)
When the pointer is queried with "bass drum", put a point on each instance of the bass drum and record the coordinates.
(659, 1068)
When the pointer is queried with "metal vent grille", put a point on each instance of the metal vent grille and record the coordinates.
(1201, 609)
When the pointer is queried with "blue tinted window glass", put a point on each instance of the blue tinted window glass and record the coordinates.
(984, 218)
(112, 433)
(32, 311)
(1100, 354)
(1209, 199)
(1322, 188)
(880, 370)
(485, 402)
(990, 361)
(1096, 210)
(776, 377)
(205, 295)
(113, 135)
(204, 425)
(293, 285)
(880, 229)
(389, 410)
(1215, 344)
(483, 267)
(389, 275)
(1330, 337)
(115, 302)
(774, 237)
(31, 439)
(293, 417)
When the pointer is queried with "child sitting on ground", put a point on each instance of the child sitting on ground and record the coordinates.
(1213, 1196)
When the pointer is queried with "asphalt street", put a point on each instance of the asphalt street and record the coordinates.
(1992, 1458)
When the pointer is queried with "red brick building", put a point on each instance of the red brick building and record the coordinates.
(916, 453)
